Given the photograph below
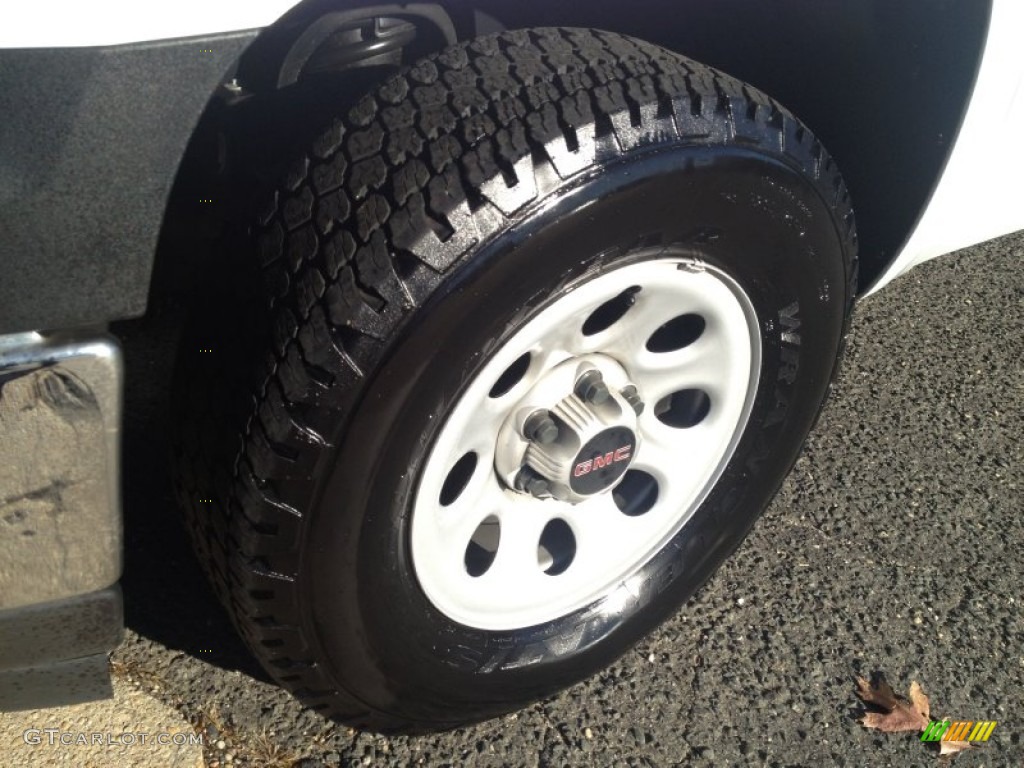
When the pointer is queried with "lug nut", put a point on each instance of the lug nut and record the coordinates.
(591, 388)
(632, 397)
(540, 428)
(529, 481)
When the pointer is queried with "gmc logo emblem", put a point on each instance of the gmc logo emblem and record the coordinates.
(598, 462)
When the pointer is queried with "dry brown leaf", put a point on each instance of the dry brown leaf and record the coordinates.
(879, 694)
(900, 714)
(954, 747)
(919, 700)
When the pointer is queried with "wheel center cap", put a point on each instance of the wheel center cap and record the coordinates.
(574, 434)
(603, 460)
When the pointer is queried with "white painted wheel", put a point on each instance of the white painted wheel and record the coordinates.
(494, 556)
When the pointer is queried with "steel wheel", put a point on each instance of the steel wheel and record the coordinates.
(501, 538)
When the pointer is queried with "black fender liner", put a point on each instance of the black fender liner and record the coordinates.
(90, 142)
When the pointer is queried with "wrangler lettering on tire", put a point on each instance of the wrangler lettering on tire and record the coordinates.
(538, 327)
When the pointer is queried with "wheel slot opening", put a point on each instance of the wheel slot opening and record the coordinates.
(609, 313)
(483, 546)
(636, 494)
(677, 333)
(458, 478)
(683, 409)
(557, 547)
(511, 376)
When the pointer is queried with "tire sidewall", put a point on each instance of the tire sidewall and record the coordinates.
(748, 214)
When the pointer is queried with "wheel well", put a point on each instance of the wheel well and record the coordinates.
(883, 85)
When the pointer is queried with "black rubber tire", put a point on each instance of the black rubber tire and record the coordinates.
(417, 231)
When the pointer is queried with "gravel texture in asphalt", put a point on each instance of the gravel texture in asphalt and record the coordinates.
(894, 547)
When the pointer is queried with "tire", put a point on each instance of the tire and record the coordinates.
(407, 251)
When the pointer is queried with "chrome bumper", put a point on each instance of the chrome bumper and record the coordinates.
(60, 511)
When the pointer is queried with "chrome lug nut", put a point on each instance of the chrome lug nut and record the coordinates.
(528, 480)
(592, 389)
(631, 396)
(540, 428)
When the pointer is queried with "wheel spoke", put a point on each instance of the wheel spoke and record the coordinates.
(672, 456)
(651, 310)
(700, 366)
(516, 564)
(599, 525)
(483, 496)
(488, 416)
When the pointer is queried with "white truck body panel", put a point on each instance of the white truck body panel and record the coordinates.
(74, 24)
(980, 194)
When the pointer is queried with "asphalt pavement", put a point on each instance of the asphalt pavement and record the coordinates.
(896, 547)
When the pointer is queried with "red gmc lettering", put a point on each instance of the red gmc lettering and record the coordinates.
(582, 468)
(612, 457)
